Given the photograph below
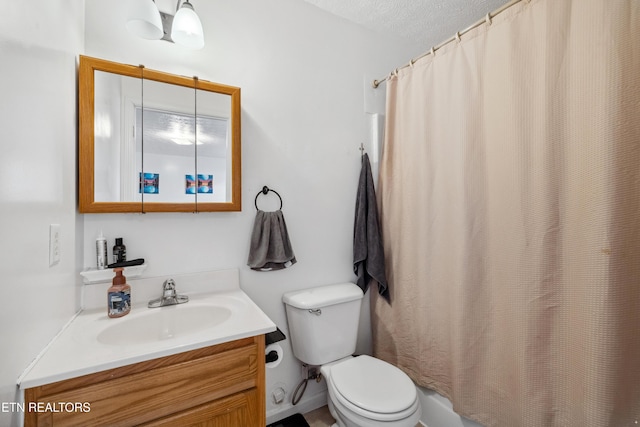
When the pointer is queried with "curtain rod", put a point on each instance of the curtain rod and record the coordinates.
(486, 19)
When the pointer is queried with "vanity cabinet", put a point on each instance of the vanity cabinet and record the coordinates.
(220, 385)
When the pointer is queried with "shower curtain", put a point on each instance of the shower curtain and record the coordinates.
(509, 201)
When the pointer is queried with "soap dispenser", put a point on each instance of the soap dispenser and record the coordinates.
(119, 295)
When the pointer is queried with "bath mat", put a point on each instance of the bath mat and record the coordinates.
(295, 420)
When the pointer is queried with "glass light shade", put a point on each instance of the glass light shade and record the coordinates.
(187, 28)
(144, 19)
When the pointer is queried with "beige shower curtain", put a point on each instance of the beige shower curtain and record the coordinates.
(510, 207)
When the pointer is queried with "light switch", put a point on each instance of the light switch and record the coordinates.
(54, 244)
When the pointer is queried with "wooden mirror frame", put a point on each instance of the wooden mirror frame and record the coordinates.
(86, 160)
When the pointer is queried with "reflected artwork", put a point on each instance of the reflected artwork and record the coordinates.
(203, 184)
(149, 183)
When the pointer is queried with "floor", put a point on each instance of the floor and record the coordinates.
(319, 417)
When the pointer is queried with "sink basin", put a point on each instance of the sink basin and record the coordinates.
(157, 324)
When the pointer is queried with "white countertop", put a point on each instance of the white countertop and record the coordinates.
(77, 350)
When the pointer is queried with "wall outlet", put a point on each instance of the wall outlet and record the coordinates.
(54, 244)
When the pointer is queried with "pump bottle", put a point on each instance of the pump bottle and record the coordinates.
(119, 295)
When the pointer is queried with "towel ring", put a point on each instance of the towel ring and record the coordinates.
(265, 190)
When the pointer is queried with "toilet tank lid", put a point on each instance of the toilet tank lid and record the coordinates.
(323, 296)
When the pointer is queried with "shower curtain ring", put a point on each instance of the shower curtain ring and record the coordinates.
(488, 19)
(458, 37)
(433, 51)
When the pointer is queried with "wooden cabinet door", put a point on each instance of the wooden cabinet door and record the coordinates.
(238, 410)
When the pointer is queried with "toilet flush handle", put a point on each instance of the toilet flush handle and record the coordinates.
(315, 311)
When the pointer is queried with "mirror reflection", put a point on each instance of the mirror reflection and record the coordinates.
(171, 142)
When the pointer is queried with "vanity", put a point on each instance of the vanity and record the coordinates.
(199, 363)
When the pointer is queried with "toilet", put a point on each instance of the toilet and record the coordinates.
(363, 391)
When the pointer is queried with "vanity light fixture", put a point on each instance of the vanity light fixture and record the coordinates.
(185, 28)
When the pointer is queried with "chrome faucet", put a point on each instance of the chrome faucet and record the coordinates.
(169, 296)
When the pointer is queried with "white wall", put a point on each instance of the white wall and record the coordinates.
(302, 73)
(39, 43)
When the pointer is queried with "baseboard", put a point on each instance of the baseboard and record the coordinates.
(305, 405)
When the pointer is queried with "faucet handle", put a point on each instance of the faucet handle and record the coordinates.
(169, 288)
(169, 296)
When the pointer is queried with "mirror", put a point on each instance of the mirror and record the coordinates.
(156, 142)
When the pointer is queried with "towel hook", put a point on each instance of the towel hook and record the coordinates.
(265, 190)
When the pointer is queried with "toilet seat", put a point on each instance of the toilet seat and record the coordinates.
(373, 389)
(339, 400)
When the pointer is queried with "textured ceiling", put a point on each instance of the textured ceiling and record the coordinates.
(424, 22)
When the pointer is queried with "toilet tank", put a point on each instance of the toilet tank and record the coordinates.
(323, 322)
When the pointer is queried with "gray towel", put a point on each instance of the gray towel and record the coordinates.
(368, 253)
(270, 246)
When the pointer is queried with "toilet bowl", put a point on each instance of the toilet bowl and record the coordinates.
(363, 391)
